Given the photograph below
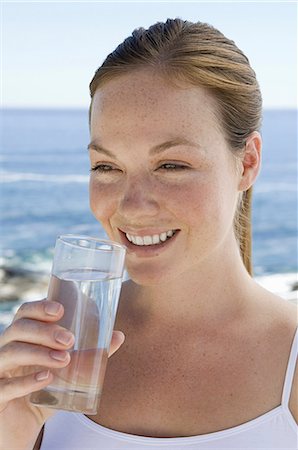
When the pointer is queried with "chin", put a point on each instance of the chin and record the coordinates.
(144, 275)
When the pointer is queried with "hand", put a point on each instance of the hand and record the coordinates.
(33, 340)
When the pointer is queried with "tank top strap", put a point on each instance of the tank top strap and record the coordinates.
(290, 371)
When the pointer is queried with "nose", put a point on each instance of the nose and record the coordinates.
(139, 198)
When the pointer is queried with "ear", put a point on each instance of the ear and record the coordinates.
(251, 161)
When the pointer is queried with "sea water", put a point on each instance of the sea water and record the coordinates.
(90, 300)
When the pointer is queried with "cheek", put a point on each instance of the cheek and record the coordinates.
(206, 207)
(194, 202)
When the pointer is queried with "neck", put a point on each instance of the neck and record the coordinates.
(213, 291)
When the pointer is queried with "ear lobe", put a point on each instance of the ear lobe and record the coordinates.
(251, 161)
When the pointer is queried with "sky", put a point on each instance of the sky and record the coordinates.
(50, 50)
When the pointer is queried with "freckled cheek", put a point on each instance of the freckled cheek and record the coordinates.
(193, 203)
(210, 210)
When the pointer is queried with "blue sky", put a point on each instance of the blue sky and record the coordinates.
(50, 50)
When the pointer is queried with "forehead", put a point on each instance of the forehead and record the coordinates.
(144, 102)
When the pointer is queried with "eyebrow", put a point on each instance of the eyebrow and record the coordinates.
(154, 150)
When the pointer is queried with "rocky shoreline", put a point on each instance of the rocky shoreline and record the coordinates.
(17, 284)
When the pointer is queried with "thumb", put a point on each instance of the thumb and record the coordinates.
(117, 340)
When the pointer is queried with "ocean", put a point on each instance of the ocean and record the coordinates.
(44, 192)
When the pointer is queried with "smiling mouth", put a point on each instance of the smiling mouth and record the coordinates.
(150, 240)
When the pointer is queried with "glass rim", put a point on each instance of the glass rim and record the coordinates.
(114, 245)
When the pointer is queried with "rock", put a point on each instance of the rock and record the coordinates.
(19, 284)
(2, 275)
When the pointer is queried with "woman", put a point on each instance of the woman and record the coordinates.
(209, 356)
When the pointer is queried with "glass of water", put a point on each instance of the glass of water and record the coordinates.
(86, 278)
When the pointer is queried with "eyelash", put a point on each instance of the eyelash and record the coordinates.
(173, 167)
(100, 168)
(104, 168)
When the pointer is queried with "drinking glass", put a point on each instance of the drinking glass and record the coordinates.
(86, 279)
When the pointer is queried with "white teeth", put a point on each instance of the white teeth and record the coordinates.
(155, 239)
(139, 240)
(163, 237)
(150, 240)
(147, 240)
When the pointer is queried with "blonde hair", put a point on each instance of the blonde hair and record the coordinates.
(199, 55)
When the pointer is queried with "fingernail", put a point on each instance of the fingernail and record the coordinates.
(120, 334)
(59, 356)
(64, 337)
(52, 308)
(40, 376)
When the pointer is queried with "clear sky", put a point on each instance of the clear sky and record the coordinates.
(50, 50)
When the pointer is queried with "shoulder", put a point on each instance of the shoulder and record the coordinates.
(280, 321)
(284, 324)
(272, 323)
(274, 315)
(293, 404)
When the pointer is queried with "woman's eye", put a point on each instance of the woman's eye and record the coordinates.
(172, 166)
(102, 168)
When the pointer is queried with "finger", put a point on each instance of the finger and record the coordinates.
(36, 332)
(11, 388)
(117, 340)
(45, 310)
(19, 354)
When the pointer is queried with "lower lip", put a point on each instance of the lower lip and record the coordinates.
(147, 250)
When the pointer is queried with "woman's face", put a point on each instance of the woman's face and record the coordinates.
(163, 181)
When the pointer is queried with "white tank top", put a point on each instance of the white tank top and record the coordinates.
(275, 429)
